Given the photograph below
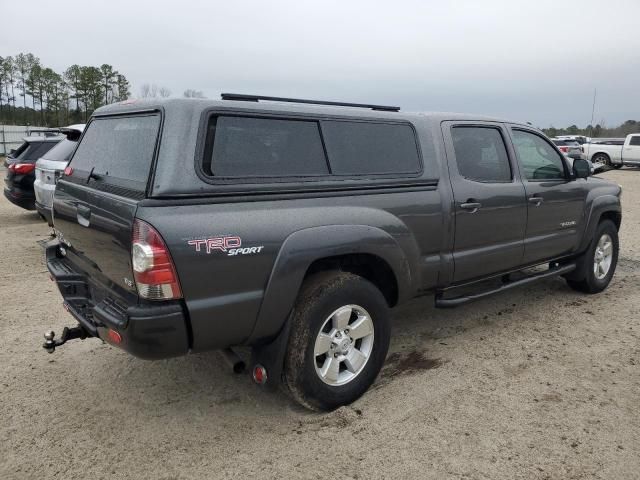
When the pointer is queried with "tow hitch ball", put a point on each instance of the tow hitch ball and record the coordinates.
(50, 343)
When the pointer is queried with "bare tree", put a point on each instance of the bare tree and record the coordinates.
(148, 90)
(190, 93)
(151, 90)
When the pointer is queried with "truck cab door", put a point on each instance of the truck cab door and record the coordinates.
(631, 150)
(555, 200)
(489, 200)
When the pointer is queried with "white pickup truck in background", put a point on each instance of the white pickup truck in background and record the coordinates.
(614, 152)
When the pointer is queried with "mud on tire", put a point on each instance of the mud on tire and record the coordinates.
(320, 297)
(585, 279)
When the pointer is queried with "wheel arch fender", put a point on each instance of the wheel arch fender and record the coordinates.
(304, 247)
(601, 206)
(599, 152)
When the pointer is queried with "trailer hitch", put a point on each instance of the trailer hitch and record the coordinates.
(50, 343)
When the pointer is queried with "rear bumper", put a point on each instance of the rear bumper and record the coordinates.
(22, 198)
(149, 331)
(43, 192)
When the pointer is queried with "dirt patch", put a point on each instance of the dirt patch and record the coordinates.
(407, 363)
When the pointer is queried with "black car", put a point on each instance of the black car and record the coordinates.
(293, 226)
(21, 166)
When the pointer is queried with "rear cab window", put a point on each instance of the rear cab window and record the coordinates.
(117, 152)
(280, 148)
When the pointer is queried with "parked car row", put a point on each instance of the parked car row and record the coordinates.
(34, 168)
(572, 149)
(21, 165)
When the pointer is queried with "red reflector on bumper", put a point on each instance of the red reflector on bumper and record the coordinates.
(259, 374)
(113, 337)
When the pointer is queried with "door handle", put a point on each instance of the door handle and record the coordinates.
(471, 206)
(536, 200)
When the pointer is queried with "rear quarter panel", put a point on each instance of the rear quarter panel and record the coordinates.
(224, 292)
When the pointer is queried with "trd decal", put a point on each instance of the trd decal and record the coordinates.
(231, 245)
(216, 243)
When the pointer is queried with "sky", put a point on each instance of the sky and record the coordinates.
(536, 61)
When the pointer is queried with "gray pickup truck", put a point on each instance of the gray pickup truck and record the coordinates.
(293, 226)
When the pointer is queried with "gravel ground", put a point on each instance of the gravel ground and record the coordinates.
(541, 382)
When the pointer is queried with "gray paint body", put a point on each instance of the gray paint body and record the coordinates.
(414, 224)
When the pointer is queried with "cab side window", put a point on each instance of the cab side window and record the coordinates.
(539, 160)
(481, 155)
(635, 141)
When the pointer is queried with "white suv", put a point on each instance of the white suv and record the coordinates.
(50, 166)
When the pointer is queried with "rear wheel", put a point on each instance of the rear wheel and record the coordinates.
(601, 158)
(339, 340)
(598, 263)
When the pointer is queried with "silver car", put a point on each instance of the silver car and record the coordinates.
(49, 168)
(569, 147)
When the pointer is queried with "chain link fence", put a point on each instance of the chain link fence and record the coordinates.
(11, 136)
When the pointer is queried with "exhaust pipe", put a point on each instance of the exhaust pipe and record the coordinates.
(234, 361)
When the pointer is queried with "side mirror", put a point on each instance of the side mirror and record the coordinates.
(12, 151)
(581, 168)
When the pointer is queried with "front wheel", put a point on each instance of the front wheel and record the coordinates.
(598, 263)
(339, 340)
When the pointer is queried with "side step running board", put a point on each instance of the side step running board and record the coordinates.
(457, 301)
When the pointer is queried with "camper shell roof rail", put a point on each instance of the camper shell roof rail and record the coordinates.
(256, 98)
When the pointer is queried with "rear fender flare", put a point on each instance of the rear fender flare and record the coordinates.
(304, 247)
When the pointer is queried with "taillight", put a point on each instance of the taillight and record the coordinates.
(68, 171)
(564, 149)
(153, 269)
(22, 168)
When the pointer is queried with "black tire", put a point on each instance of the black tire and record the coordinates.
(320, 296)
(587, 281)
(601, 158)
